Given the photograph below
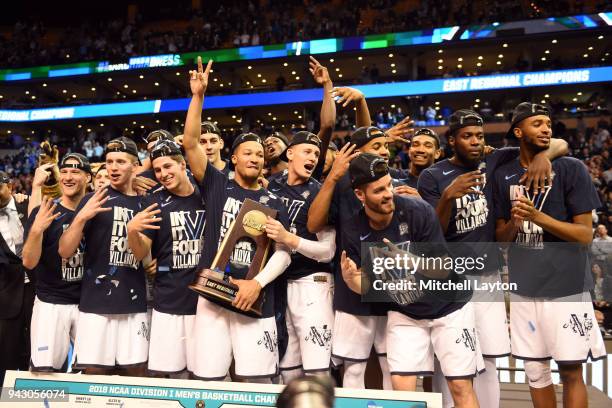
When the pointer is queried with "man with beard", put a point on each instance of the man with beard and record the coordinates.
(58, 281)
(275, 144)
(428, 322)
(113, 305)
(170, 227)
(551, 313)
(221, 332)
(457, 187)
(335, 204)
(212, 142)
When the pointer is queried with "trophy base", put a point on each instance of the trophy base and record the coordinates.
(212, 285)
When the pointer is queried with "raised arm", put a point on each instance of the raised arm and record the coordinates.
(146, 219)
(71, 238)
(346, 95)
(319, 209)
(196, 157)
(40, 176)
(328, 111)
(32, 248)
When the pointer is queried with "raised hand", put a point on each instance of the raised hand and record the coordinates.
(145, 219)
(95, 205)
(318, 71)
(46, 214)
(464, 184)
(198, 80)
(345, 95)
(42, 174)
(350, 273)
(402, 131)
(342, 161)
(248, 292)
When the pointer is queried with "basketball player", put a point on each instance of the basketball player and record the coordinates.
(101, 178)
(457, 188)
(113, 308)
(171, 227)
(551, 311)
(220, 332)
(213, 143)
(428, 323)
(275, 145)
(58, 281)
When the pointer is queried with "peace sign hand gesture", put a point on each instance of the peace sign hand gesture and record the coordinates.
(198, 80)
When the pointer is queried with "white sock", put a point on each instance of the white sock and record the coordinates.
(354, 374)
(486, 385)
(386, 375)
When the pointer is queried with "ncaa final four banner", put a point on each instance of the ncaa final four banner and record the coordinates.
(55, 390)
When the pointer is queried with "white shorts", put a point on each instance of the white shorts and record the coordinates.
(53, 328)
(491, 319)
(310, 321)
(411, 344)
(355, 335)
(112, 340)
(564, 329)
(221, 334)
(172, 345)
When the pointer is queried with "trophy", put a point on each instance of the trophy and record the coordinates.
(213, 283)
(49, 154)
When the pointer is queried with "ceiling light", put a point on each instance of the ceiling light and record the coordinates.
(141, 77)
(269, 113)
(590, 48)
(176, 120)
(45, 85)
(391, 55)
(543, 58)
(258, 75)
(293, 72)
(437, 103)
(125, 85)
(600, 37)
(109, 79)
(285, 64)
(360, 58)
(393, 65)
(337, 69)
(73, 95)
(339, 75)
(331, 60)
(221, 85)
(586, 55)
(274, 118)
(64, 91)
(297, 78)
(264, 80)
(479, 64)
(394, 71)
(89, 129)
(477, 100)
(300, 117)
(133, 91)
(233, 116)
(392, 106)
(440, 51)
(505, 45)
(547, 96)
(498, 62)
(215, 79)
(459, 65)
(480, 57)
(209, 118)
(134, 122)
(178, 73)
(440, 61)
(543, 101)
(27, 92)
(575, 99)
(579, 94)
(459, 59)
(440, 67)
(500, 56)
(156, 84)
(101, 124)
(33, 96)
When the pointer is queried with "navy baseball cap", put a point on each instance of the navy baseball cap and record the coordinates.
(210, 127)
(82, 162)
(279, 136)
(366, 168)
(463, 118)
(123, 145)
(302, 137)
(363, 135)
(159, 134)
(245, 137)
(523, 111)
(428, 132)
(165, 148)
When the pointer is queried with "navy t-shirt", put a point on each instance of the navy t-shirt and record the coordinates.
(113, 280)
(58, 280)
(223, 199)
(414, 221)
(177, 245)
(410, 181)
(298, 199)
(537, 262)
(472, 220)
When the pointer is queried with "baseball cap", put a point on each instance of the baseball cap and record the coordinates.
(302, 137)
(165, 148)
(332, 146)
(363, 135)
(210, 127)
(4, 178)
(428, 132)
(123, 145)
(159, 134)
(280, 136)
(102, 167)
(245, 137)
(366, 168)
(82, 162)
(464, 118)
(523, 111)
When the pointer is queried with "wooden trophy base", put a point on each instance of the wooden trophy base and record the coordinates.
(212, 285)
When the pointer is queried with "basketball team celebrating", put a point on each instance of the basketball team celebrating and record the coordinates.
(114, 265)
